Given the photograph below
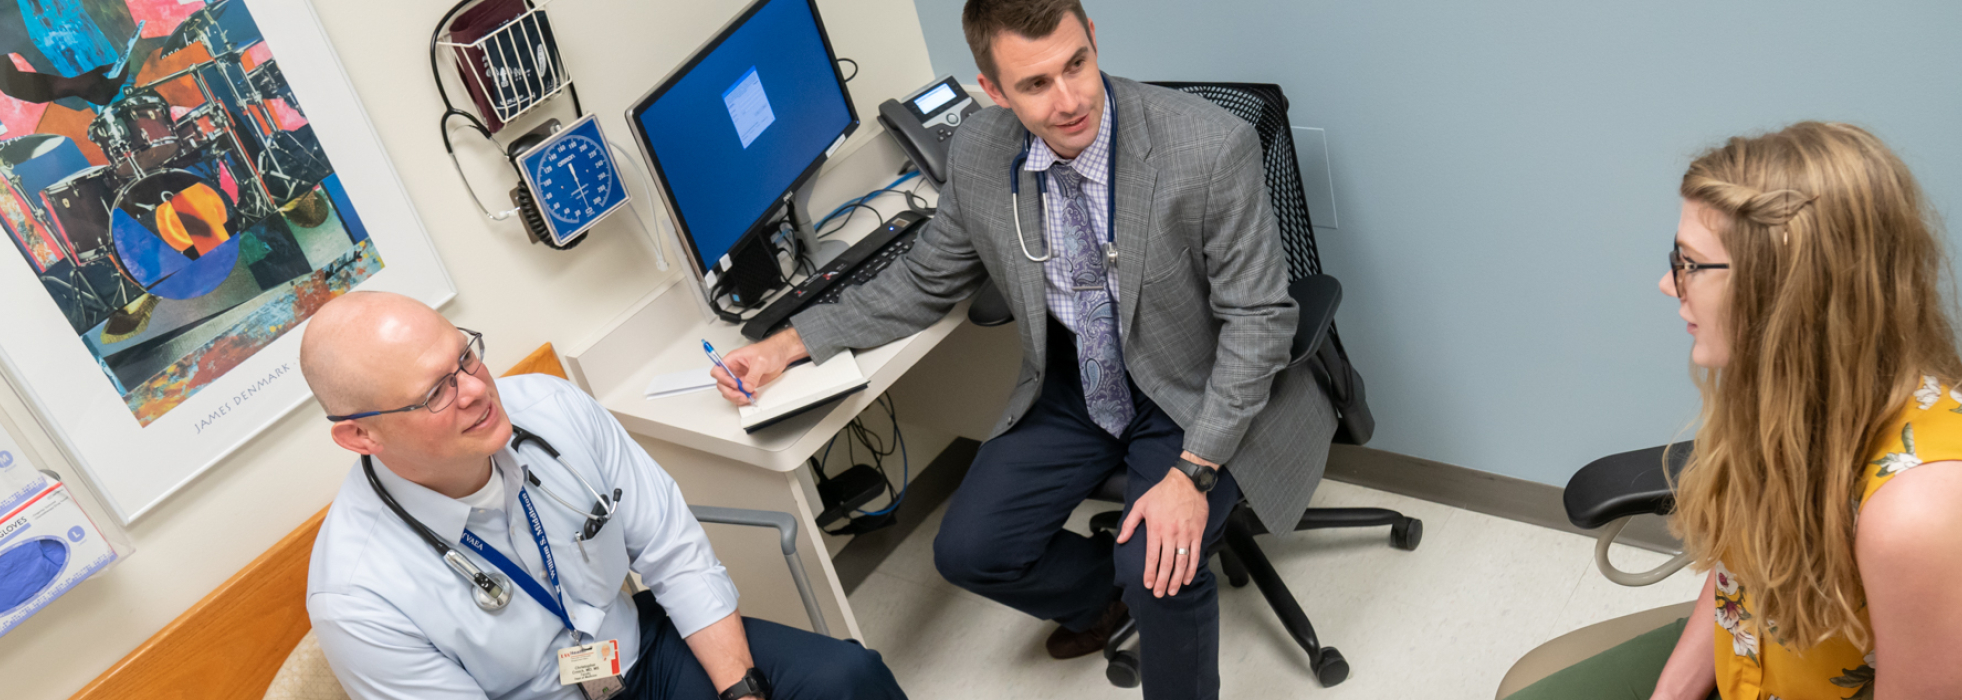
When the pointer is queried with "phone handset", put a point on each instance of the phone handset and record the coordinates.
(924, 124)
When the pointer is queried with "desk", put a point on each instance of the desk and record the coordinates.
(697, 437)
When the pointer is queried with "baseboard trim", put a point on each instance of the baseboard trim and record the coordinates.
(1483, 492)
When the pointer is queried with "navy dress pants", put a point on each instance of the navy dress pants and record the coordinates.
(1003, 535)
(799, 665)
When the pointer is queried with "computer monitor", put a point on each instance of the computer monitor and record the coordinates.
(742, 124)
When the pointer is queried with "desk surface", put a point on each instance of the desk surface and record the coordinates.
(662, 333)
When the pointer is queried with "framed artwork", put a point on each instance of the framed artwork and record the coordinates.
(183, 183)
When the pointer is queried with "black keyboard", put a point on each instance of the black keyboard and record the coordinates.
(856, 266)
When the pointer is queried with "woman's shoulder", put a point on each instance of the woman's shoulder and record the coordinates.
(1910, 534)
(1921, 450)
(1920, 460)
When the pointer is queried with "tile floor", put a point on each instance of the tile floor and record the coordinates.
(1445, 621)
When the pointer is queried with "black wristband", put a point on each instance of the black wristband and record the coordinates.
(751, 685)
(1203, 477)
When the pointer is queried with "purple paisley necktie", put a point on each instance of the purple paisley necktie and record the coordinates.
(1099, 357)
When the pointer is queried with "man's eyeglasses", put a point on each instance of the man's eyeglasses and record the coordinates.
(439, 396)
(1681, 267)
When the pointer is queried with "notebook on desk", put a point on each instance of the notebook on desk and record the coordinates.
(802, 388)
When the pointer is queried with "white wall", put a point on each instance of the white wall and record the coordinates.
(518, 294)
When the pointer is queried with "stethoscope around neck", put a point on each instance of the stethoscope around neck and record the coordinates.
(1042, 183)
(492, 590)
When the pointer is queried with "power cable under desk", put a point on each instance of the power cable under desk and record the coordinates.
(857, 486)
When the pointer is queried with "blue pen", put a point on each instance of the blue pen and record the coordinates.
(717, 359)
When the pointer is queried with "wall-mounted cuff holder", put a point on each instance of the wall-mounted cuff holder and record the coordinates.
(509, 69)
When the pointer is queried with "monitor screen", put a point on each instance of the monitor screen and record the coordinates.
(743, 122)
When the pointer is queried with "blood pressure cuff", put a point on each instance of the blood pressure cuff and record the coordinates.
(28, 568)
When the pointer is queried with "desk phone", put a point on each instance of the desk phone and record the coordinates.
(925, 121)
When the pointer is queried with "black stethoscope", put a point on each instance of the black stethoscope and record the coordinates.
(493, 590)
(1042, 183)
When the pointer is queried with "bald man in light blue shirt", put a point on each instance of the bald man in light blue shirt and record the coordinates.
(396, 621)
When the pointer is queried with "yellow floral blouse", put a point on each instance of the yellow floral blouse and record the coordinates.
(1755, 665)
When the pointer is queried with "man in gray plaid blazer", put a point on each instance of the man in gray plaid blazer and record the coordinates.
(1164, 361)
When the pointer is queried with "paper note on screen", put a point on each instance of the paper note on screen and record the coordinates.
(749, 107)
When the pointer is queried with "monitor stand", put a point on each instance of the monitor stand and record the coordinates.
(799, 212)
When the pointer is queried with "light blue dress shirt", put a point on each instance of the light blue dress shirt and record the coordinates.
(396, 622)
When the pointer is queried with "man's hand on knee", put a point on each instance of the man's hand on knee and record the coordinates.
(1174, 512)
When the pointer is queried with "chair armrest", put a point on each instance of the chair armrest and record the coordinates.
(785, 524)
(1621, 485)
(1317, 296)
(1316, 347)
(786, 527)
(990, 308)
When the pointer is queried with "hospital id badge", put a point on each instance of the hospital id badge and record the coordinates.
(595, 667)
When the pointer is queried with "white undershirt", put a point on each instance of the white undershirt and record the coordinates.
(490, 497)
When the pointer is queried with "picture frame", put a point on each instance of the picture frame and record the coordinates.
(156, 294)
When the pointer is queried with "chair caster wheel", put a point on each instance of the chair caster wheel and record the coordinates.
(1331, 669)
(1123, 669)
(1407, 535)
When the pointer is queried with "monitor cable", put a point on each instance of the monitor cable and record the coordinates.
(784, 241)
(737, 310)
(647, 188)
(913, 201)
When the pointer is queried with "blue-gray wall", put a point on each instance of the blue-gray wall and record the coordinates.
(1506, 179)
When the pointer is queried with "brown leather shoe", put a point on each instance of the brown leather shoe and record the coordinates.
(1064, 644)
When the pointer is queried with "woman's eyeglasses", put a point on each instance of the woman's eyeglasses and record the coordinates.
(1681, 267)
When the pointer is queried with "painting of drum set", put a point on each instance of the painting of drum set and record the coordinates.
(159, 176)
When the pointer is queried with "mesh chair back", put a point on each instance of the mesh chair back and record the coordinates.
(1264, 106)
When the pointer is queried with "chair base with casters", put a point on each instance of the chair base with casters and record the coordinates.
(1244, 562)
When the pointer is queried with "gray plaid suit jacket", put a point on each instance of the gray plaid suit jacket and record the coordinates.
(1203, 309)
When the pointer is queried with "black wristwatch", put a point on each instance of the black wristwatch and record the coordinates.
(751, 686)
(1203, 477)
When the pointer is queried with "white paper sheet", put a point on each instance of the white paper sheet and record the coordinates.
(687, 381)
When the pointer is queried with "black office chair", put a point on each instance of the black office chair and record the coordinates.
(1316, 348)
(1612, 490)
(1605, 495)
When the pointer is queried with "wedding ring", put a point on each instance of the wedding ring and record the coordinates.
(1182, 551)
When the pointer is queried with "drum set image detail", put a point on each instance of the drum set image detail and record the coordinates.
(181, 180)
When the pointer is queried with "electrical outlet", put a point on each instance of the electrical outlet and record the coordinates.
(1317, 179)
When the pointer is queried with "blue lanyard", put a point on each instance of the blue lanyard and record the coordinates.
(555, 602)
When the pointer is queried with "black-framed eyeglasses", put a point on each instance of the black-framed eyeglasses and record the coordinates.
(439, 396)
(1680, 267)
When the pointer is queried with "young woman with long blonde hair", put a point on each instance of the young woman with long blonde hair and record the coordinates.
(1825, 493)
